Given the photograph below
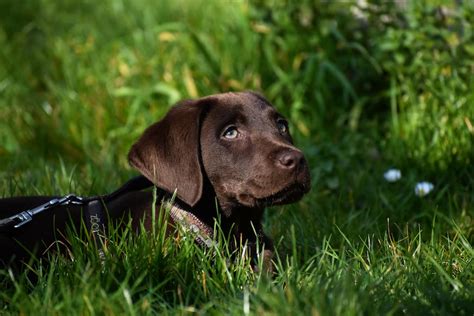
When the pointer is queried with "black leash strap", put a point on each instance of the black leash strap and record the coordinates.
(20, 219)
(93, 207)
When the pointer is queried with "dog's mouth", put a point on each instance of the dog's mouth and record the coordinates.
(260, 193)
(289, 194)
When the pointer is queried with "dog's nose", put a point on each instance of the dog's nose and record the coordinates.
(289, 159)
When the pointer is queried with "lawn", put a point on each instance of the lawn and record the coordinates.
(366, 89)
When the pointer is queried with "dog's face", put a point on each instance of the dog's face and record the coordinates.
(248, 154)
(237, 140)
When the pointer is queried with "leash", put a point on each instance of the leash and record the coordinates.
(93, 208)
(20, 219)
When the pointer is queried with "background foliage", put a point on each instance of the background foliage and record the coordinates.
(366, 87)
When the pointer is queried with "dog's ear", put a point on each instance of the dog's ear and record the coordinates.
(168, 152)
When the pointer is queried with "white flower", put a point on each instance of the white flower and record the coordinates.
(423, 188)
(392, 175)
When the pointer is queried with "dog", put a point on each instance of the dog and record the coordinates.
(232, 151)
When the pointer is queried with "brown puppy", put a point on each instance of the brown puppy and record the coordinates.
(231, 148)
(234, 147)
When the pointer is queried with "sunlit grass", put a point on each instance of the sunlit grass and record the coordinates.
(79, 82)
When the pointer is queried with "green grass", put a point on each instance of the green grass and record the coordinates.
(79, 82)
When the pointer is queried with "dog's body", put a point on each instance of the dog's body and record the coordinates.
(232, 148)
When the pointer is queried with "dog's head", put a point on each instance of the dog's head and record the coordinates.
(237, 140)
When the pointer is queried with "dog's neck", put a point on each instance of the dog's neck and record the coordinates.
(234, 218)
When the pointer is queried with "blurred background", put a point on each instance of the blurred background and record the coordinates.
(367, 86)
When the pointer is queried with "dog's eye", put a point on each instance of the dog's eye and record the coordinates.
(282, 126)
(231, 132)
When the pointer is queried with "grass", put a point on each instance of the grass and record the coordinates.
(80, 81)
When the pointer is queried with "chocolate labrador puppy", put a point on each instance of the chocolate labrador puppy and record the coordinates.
(232, 148)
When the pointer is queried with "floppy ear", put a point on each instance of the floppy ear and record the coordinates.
(168, 152)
